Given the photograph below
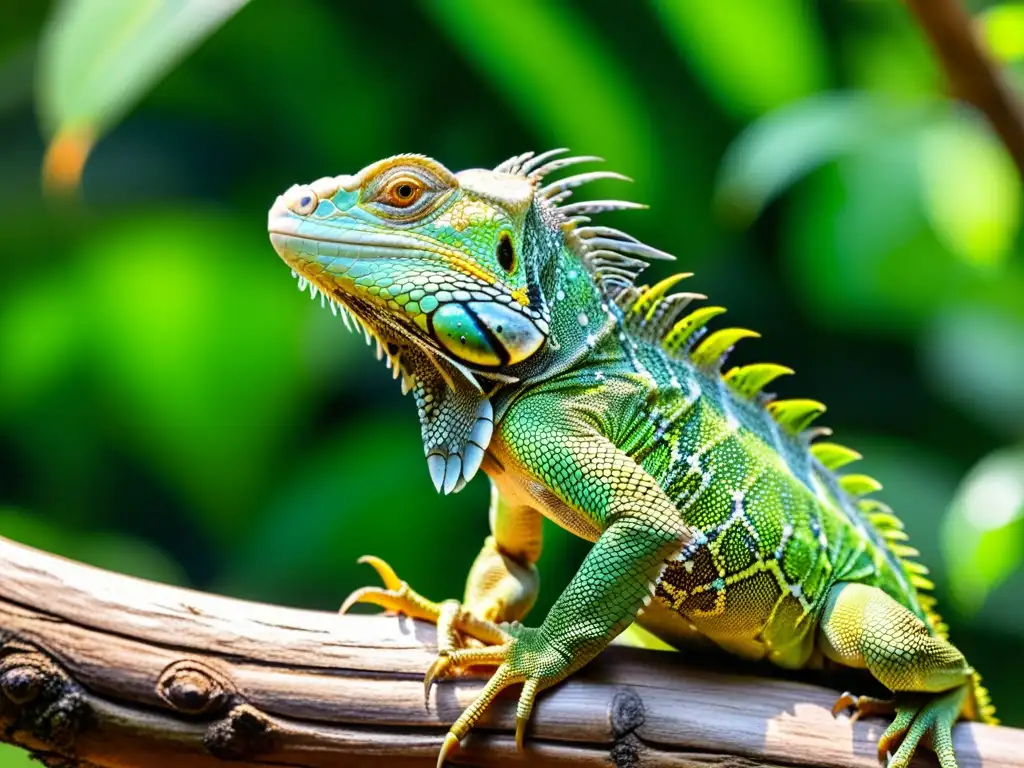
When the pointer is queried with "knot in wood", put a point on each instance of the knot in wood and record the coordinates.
(60, 723)
(26, 675)
(195, 688)
(22, 683)
(244, 734)
(627, 713)
(51, 706)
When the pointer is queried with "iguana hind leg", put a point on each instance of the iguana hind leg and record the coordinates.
(933, 685)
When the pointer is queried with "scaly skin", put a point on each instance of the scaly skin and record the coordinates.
(602, 405)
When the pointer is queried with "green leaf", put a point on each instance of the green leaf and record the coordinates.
(1002, 26)
(117, 552)
(863, 256)
(972, 191)
(983, 532)
(131, 556)
(780, 148)
(752, 55)
(99, 57)
(36, 531)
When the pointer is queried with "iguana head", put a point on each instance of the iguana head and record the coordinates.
(455, 276)
(419, 253)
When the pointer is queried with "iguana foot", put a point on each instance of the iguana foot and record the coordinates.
(527, 657)
(918, 717)
(521, 654)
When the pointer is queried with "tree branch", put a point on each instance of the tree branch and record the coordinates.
(99, 669)
(972, 74)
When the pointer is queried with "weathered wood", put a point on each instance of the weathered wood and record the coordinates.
(114, 671)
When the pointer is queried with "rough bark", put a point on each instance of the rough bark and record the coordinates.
(106, 670)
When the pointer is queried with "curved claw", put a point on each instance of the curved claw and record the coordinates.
(395, 597)
(520, 731)
(386, 597)
(386, 572)
(525, 708)
(439, 668)
(843, 703)
(451, 743)
(372, 596)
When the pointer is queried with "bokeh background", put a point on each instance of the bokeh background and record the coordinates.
(171, 407)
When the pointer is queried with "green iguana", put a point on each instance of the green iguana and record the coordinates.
(532, 353)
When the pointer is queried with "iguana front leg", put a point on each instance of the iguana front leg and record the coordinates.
(564, 452)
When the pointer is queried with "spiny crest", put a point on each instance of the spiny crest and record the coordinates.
(654, 315)
(882, 519)
(614, 257)
(986, 712)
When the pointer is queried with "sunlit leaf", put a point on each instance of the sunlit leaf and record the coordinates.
(975, 357)
(783, 146)
(635, 636)
(753, 55)
(863, 256)
(99, 57)
(971, 189)
(983, 532)
(549, 62)
(1003, 29)
(895, 58)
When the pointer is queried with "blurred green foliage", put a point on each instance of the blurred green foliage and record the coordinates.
(171, 407)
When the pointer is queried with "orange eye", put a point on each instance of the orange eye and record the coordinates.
(402, 193)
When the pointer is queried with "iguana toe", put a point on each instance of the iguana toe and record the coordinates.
(396, 597)
(923, 720)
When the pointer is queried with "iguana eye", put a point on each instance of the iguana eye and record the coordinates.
(402, 192)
